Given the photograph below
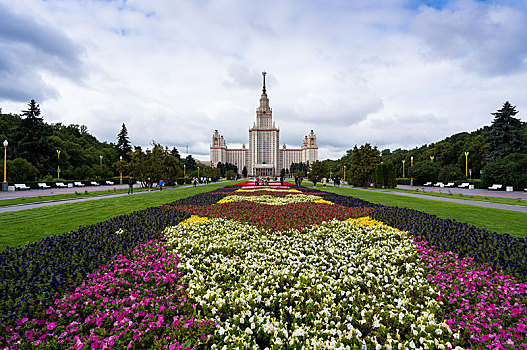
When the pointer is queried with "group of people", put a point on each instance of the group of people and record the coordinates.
(131, 183)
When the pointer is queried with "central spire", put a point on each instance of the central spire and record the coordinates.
(264, 74)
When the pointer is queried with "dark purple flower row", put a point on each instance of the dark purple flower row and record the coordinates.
(206, 198)
(501, 251)
(32, 276)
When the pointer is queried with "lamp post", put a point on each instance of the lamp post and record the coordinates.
(58, 164)
(184, 170)
(344, 181)
(4, 184)
(466, 164)
(412, 164)
(100, 162)
(120, 170)
(198, 174)
(403, 168)
(432, 158)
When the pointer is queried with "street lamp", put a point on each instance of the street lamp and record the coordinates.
(4, 184)
(58, 164)
(344, 174)
(412, 164)
(466, 164)
(198, 174)
(184, 170)
(403, 168)
(432, 158)
(100, 162)
(120, 170)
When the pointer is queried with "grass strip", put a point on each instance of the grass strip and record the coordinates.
(496, 220)
(25, 226)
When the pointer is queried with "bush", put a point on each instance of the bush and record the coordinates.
(19, 170)
(450, 172)
(423, 172)
(403, 181)
(385, 176)
(508, 171)
(180, 181)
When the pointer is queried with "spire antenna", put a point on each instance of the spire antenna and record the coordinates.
(264, 74)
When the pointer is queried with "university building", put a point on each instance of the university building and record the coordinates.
(264, 156)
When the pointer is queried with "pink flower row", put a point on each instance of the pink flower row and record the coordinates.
(486, 308)
(133, 300)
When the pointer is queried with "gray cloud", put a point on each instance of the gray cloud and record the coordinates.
(486, 38)
(29, 48)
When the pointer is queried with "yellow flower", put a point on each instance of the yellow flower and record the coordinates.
(192, 219)
(367, 221)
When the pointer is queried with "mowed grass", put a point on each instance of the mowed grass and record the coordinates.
(496, 220)
(25, 226)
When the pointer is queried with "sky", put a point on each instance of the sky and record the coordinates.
(392, 73)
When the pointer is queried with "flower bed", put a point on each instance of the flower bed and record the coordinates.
(317, 274)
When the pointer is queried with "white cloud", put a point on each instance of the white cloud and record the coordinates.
(391, 73)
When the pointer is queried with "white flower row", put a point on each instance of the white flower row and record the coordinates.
(334, 286)
(271, 200)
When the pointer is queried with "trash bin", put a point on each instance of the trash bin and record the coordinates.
(470, 187)
(509, 189)
(70, 185)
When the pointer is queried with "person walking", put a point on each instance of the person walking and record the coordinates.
(131, 182)
(149, 184)
(324, 182)
(161, 183)
(281, 180)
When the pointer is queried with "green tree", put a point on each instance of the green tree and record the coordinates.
(123, 146)
(230, 174)
(506, 134)
(244, 171)
(385, 175)
(362, 165)
(175, 153)
(451, 172)
(508, 171)
(319, 170)
(190, 163)
(19, 169)
(30, 140)
(423, 172)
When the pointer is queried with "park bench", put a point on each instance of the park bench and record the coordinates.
(109, 182)
(78, 184)
(43, 185)
(427, 184)
(94, 183)
(450, 184)
(495, 187)
(60, 185)
(439, 184)
(21, 187)
(464, 185)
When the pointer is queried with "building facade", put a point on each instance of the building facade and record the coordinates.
(263, 156)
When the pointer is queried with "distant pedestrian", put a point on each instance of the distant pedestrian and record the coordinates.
(314, 181)
(161, 184)
(281, 180)
(195, 182)
(324, 182)
(149, 184)
(131, 182)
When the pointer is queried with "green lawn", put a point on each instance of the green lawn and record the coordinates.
(446, 194)
(22, 227)
(497, 220)
(25, 226)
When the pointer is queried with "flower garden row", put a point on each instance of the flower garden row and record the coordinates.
(285, 267)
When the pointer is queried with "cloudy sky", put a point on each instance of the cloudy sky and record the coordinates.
(394, 73)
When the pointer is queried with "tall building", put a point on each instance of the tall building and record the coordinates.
(264, 156)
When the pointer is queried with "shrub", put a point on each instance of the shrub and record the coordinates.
(508, 171)
(424, 172)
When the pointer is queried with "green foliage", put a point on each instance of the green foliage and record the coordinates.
(506, 135)
(225, 167)
(385, 175)
(508, 171)
(319, 170)
(123, 146)
(230, 174)
(423, 172)
(30, 140)
(363, 162)
(157, 164)
(451, 172)
(244, 171)
(19, 170)
(296, 167)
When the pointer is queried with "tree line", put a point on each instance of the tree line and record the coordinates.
(49, 152)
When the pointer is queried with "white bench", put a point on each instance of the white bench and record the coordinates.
(21, 187)
(464, 185)
(78, 184)
(495, 187)
(450, 184)
(439, 184)
(427, 184)
(109, 182)
(60, 185)
(43, 185)
(94, 183)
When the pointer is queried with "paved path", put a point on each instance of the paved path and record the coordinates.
(518, 208)
(36, 193)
